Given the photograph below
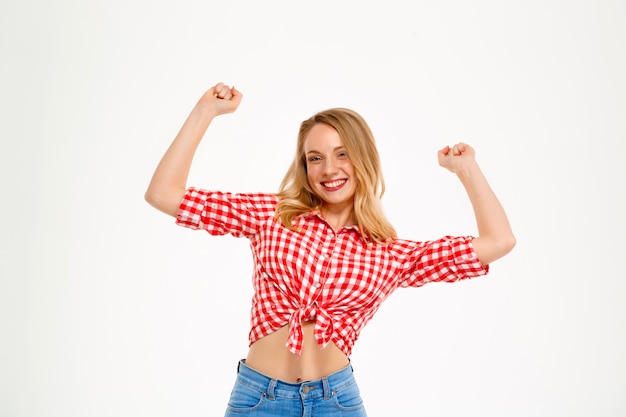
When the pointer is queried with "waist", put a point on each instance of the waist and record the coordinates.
(321, 387)
(270, 356)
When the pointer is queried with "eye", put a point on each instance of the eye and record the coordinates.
(315, 158)
(342, 155)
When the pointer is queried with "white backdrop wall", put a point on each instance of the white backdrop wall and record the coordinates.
(109, 309)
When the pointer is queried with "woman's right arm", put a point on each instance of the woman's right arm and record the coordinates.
(169, 181)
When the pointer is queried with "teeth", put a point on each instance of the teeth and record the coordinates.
(334, 183)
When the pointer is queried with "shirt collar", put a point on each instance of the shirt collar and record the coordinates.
(315, 213)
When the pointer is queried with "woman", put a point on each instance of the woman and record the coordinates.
(325, 256)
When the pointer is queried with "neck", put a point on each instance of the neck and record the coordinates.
(338, 217)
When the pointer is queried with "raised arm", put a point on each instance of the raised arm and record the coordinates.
(495, 237)
(169, 180)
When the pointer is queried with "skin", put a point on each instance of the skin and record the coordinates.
(169, 182)
(331, 175)
(495, 237)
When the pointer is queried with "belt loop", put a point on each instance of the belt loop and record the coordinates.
(326, 387)
(270, 389)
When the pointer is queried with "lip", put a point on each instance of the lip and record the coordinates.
(334, 184)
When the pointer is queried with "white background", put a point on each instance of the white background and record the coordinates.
(109, 309)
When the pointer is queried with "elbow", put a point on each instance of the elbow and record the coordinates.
(151, 197)
(167, 202)
(507, 243)
(492, 248)
(504, 244)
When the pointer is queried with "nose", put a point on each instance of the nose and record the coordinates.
(330, 166)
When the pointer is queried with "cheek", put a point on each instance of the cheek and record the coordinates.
(310, 176)
(348, 168)
(311, 182)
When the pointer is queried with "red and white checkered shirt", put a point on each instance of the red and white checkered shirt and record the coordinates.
(335, 278)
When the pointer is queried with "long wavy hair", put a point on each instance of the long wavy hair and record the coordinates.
(296, 196)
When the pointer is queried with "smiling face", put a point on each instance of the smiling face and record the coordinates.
(329, 170)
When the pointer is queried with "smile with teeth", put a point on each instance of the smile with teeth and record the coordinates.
(334, 184)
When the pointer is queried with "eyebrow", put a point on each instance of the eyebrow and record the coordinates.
(334, 149)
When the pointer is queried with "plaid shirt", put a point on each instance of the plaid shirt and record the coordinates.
(335, 278)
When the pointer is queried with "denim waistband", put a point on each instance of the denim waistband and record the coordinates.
(310, 389)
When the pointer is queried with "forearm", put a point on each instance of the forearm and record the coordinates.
(495, 237)
(169, 180)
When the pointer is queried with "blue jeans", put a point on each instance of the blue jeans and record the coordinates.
(255, 394)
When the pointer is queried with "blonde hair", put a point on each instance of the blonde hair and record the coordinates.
(297, 197)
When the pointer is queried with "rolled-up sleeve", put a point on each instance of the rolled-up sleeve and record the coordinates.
(220, 213)
(448, 259)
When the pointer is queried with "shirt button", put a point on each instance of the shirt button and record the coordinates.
(317, 284)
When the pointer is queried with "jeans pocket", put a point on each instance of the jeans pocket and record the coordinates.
(244, 398)
(348, 398)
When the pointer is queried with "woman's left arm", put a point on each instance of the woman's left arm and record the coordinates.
(495, 237)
